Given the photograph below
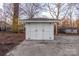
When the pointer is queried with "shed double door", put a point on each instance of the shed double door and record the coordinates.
(41, 31)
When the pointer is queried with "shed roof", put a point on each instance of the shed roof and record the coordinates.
(40, 20)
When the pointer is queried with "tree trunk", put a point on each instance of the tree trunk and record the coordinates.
(15, 17)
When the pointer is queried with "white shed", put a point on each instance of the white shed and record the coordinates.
(40, 29)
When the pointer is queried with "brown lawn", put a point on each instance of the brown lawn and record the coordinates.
(9, 40)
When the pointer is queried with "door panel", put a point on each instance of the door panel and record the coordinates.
(48, 31)
(33, 31)
(39, 32)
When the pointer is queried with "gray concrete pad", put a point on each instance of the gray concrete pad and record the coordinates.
(61, 46)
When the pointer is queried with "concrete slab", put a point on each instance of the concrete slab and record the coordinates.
(61, 46)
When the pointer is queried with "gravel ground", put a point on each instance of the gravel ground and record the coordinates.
(61, 46)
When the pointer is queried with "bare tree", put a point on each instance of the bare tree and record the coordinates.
(77, 9)
(77, 15)
(58, 10)
(71, 11)
(7, 12)
(61, 10)
(31, 9)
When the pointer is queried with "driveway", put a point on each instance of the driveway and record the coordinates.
(61, 46)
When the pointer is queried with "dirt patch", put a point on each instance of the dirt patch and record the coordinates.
(9, 40)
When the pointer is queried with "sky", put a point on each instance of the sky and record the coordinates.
(1, 5)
